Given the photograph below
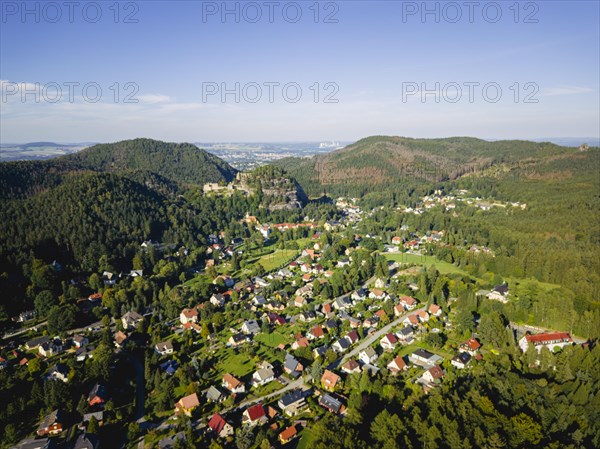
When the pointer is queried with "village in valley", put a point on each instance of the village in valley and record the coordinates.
(279, 329)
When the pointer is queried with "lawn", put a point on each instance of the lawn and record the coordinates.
(239, 365)
(442, 266)
(306, 440)
(272, 340)
(277, 258)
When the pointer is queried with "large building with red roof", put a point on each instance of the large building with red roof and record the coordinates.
(549, 340)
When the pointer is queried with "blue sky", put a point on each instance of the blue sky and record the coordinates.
(377, 59)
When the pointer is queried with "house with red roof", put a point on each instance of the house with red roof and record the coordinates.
(188, 316)
(219, 426)
(408, 302)
(288, 435)
(435, 310)
(397, 365)
(471, 346)
(388, 342)
(254, 415)
(550, 340)
(329, 380)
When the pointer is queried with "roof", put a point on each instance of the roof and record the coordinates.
(369, 351)
(164, 345)
(391, 338)
(548, 337)
(189, 313)
(408, 300)
(502, 289)
(98, 390)
(317, 331)
(399, 362)
(329, 378)
(351, 365)
(231, 381)
(213, 393)
(291, 397)
(472, 344)
(330, 402)
(133, 316)
(353, 335)
(120, 337)
(52, 418)
(423, 353)
(436, 372)
(288, 433)
(406, 331)
(86, 441)
(189, 401)
(462, 357)
(255, 412)
(216, 423)
(434, 308)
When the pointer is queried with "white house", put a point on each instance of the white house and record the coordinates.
(367, 356)
(263, 375)
(388, 341)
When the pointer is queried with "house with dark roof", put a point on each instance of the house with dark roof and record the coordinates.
(164, 348)
(292, 366)
(424, 358)
(351, 367)
(52, 424)
(58, 372)
(131, 320)
(292, 403)
(331, 403)
(214, 395)
(87, 441)
(98, 395)
(461, 360)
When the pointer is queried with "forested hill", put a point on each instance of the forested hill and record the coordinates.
(178, 163)
(380, 162)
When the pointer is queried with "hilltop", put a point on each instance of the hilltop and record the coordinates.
(380, 162)
(183, 164)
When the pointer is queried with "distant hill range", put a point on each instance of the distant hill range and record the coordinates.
(179, 163)
(379, 163)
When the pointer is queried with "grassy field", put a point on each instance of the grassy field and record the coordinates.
(239, 365)
(442, 266)
(272, 340)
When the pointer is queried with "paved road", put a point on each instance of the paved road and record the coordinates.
(22, 331)
(372, 339)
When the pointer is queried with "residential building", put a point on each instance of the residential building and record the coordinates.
(397, 365)
(233, 384)
(52, 424)
(254, 415)
(187, 404)
(461, 360)
(329, 380)
(220, 426)
(164, 348)
(131, 320)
